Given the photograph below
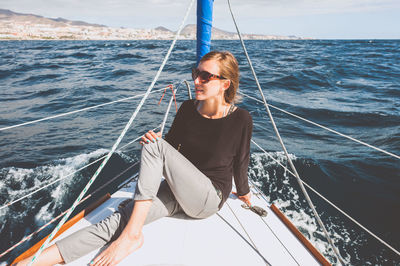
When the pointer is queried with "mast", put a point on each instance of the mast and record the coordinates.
(204, 25)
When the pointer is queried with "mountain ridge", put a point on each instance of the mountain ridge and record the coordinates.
(6, 12)
(23, 26)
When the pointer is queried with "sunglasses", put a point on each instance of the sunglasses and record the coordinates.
(204, 76)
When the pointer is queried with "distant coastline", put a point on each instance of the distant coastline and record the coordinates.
(18, 26)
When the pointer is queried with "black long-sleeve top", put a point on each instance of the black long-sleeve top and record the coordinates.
(219, 148)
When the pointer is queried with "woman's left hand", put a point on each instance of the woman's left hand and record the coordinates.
(244, 198)
(150, 136)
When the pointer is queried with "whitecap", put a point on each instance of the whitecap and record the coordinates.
(279, 190)
(17, 182)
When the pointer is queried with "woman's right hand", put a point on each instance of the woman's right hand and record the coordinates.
(150, 136)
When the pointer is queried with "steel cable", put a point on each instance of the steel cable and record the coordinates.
(63, 220)
(337, 254)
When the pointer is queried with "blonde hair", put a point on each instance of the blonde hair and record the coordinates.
(229, 69)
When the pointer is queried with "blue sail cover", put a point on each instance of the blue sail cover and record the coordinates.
(204, 25)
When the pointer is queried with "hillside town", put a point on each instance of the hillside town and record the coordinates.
(17, 26)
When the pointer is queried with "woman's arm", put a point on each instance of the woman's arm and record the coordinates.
(241, 162)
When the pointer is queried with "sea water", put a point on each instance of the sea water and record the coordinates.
(350, 86)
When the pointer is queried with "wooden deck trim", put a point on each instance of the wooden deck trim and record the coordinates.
(32, 250)
(300, 236)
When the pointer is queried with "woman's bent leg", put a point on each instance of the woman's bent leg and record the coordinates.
(188, 189)
(192, 189)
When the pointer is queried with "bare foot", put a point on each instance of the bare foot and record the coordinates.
(118, 250)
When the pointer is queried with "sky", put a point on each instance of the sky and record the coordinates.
(320, 19)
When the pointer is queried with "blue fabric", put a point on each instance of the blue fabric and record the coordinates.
(204, 25)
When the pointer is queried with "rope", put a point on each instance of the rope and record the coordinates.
(76, 111)
(116, 143)
(325, 199)
(61, 178)
(61, 214)
(173, 93)
(283, 146)
(101, 187)
(326, 128)
(80, 169)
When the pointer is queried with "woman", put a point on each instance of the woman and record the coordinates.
(209, 141)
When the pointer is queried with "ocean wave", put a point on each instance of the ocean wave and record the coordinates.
(300, 81)
(51, 106)
(40, 48)
(150, 45)
(353, 119)
(47, 92)
(329, 82)
(24, 68)
(40, 78)
(116, 74)
(27, 215)
(123, 72)
(60, 56)
(6, 73)
(82, 55)
(89, 91)
(127, 56)
(281, 189)
(75, 47)
(39, 208)
(18, 181)
(7, 56)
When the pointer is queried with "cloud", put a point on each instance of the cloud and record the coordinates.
(164, 8)
(282, 8)
(251, 15)
(247, 8)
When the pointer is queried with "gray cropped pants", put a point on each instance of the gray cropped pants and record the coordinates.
(185, 193)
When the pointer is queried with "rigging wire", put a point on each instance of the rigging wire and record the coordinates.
(97, 160)
(325, 199)
(117, 142)
(76, 111)
(234, 229)
(324, 127)
(244, 229)
(248, 235)
(337, 254)
(28, 237)
(104, 185)
(63, 177)
(259, 192)
(283, 245)
(299, 117)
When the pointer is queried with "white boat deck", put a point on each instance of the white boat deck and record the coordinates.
(212, 241)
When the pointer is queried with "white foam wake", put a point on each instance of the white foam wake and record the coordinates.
(281, 189)
(17, 182)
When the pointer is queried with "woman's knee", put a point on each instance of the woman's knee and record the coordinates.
(158, 146)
